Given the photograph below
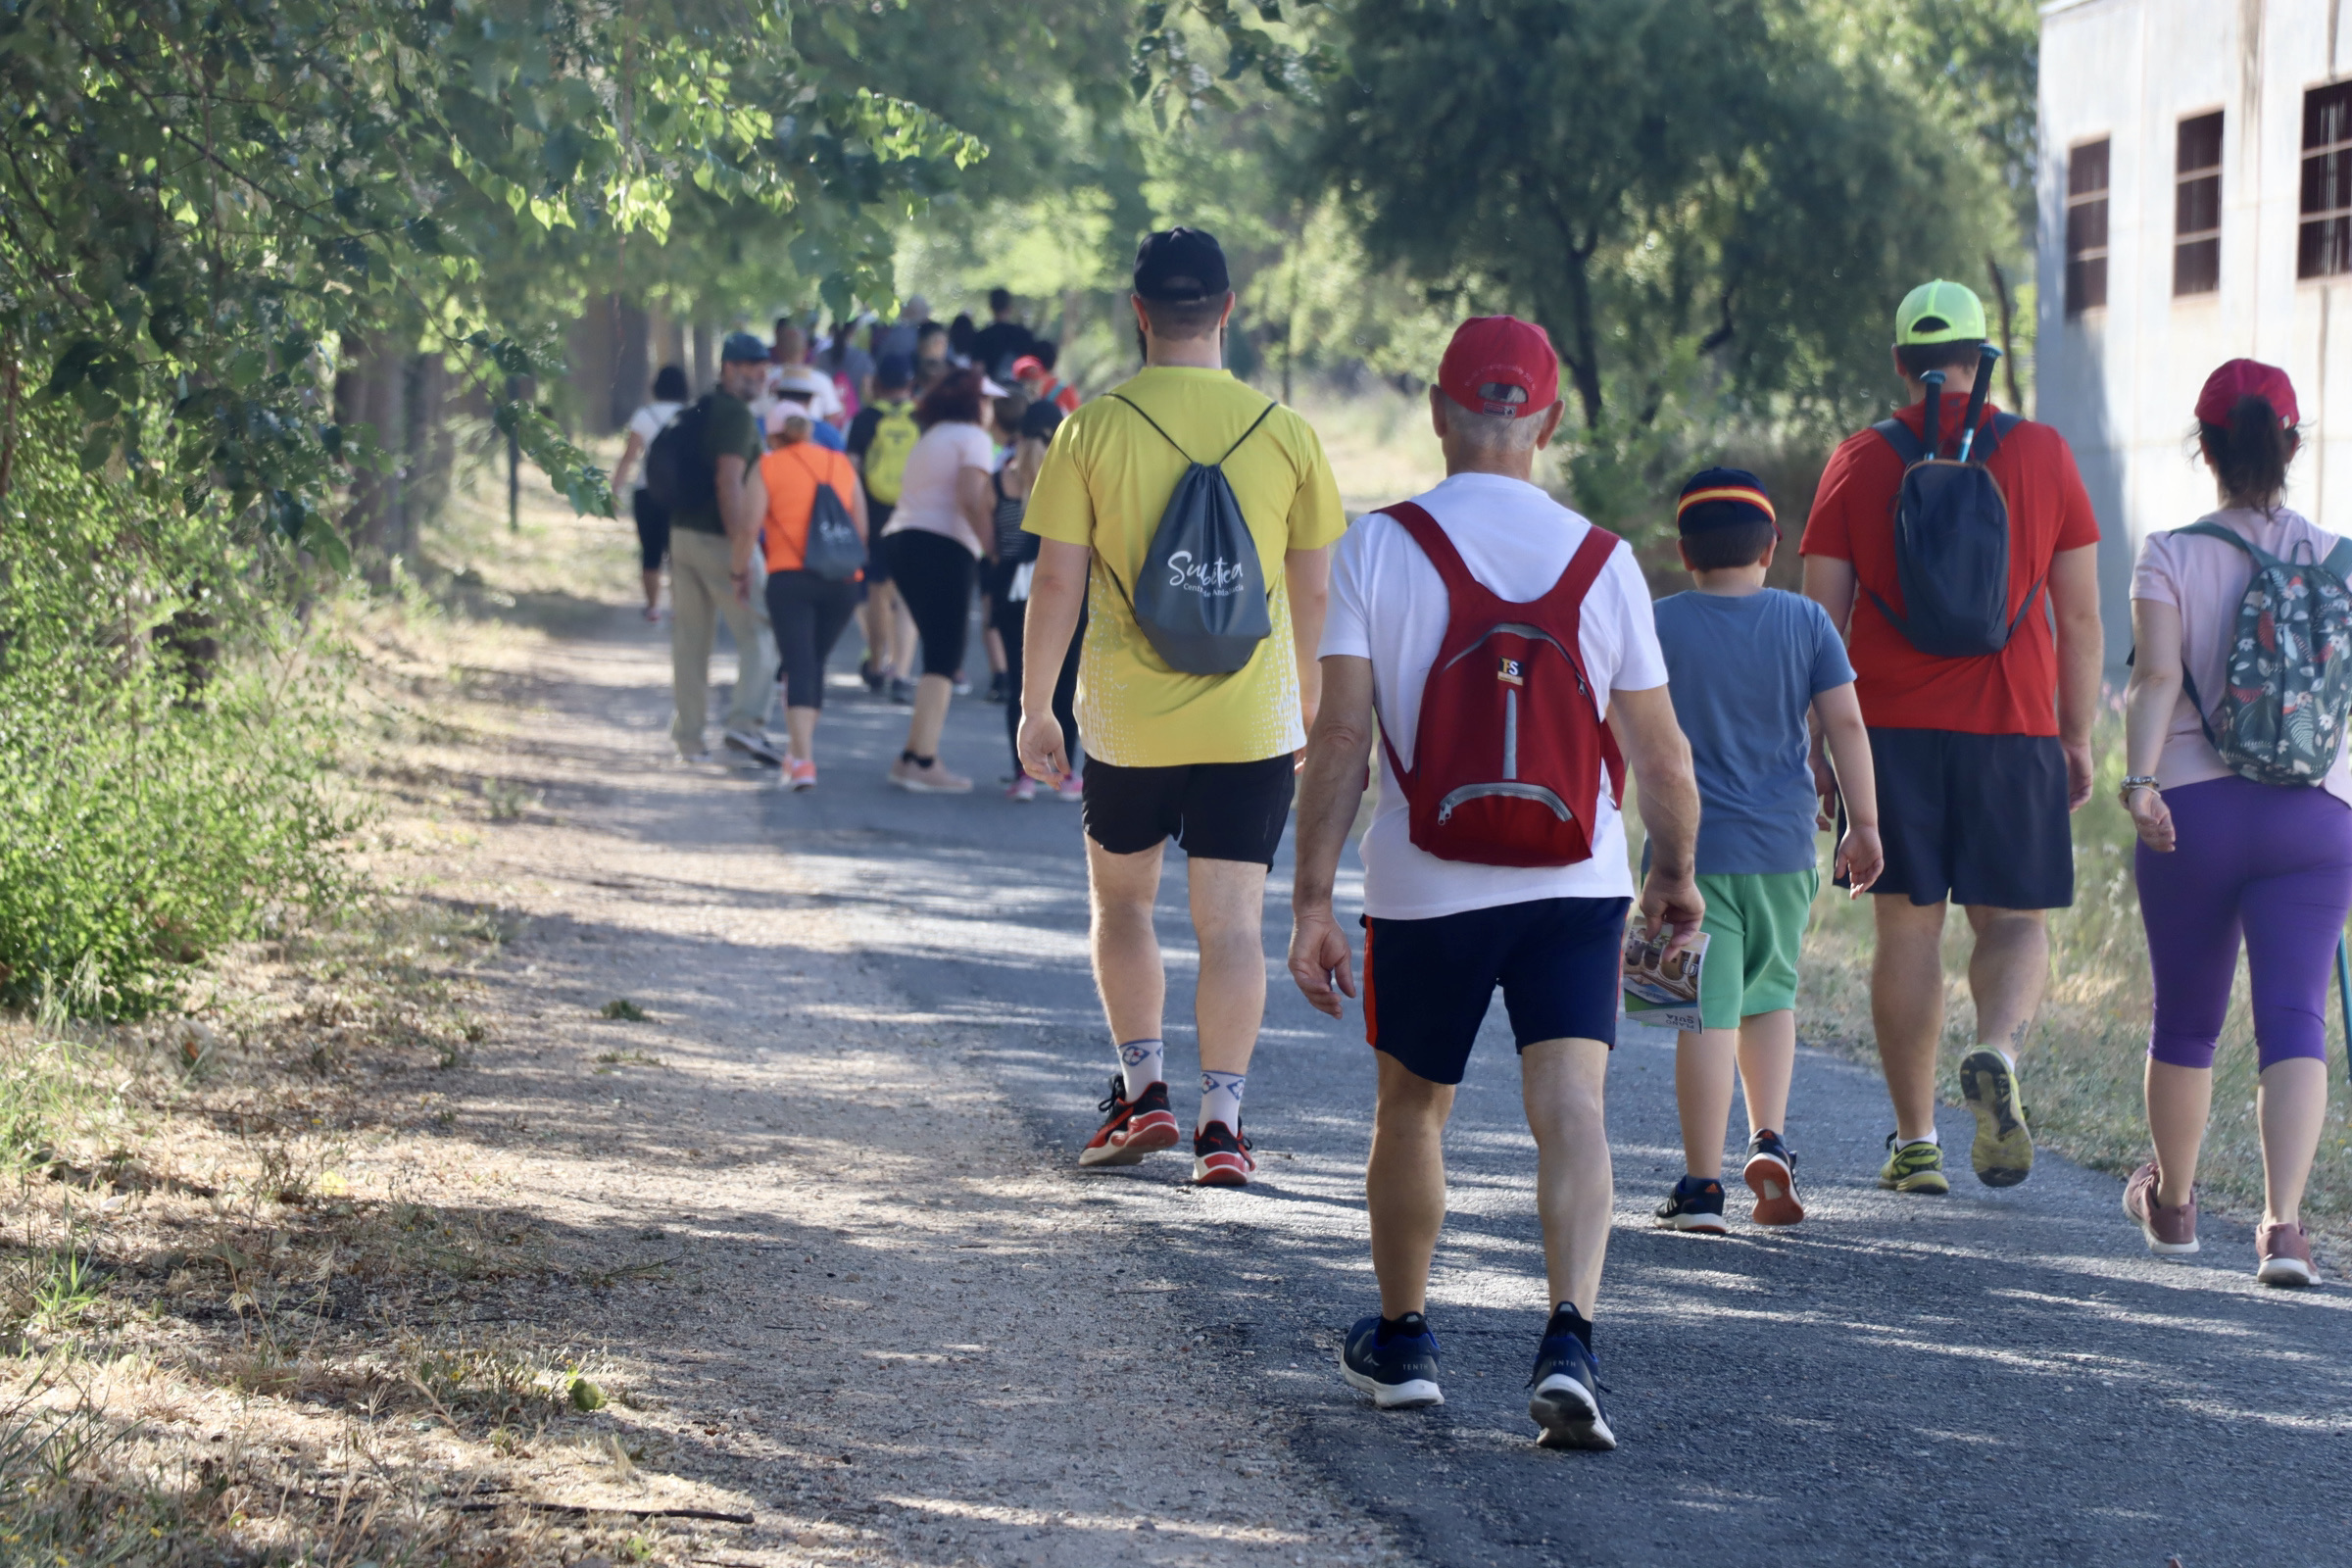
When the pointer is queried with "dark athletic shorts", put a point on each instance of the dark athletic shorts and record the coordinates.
(877, 560)
(1428, 983)
(652, 529)
(1976, 819)
(1213, 810)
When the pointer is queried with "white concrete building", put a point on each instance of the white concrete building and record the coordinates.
(2197, 206)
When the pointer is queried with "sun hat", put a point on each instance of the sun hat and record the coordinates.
(1723, 498)
(2246, 378)
(1939, 312)
(1490, 356)
(742, 346)
(1180, 266)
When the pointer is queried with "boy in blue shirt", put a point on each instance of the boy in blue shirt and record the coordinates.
(1746, 666)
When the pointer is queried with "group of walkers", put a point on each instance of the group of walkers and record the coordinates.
(883, 483)
(1176, 549)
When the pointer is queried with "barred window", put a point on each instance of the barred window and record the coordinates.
(2323, 248)
(2086, 227)
(2197, 205)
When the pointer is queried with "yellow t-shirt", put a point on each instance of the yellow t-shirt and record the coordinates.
(1105, 482)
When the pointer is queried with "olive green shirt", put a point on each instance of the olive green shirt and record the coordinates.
(729, 428)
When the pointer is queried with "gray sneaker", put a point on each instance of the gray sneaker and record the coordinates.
(2171, 1232)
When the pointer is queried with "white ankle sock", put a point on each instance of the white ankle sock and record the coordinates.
(1221, 1100)
(1143, 1063)
(1933, 1136)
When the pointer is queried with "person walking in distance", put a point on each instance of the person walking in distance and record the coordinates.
(1497, 858)
(806, 609)
(1204, 759)
(1747, 665)
(1016, 553)
(651, 517)
(713, 530)
(1979, 718)
(2244, 821)
(879, 441)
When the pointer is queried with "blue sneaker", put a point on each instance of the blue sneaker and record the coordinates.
(1399, 1371)
(1566, 1402)
(1695, 1204)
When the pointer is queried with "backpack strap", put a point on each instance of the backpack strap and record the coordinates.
(1171, 440)
(1271, 405)
(1989, 433)
(1905, 441)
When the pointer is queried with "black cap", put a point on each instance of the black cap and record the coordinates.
(1040, 421)
(1180, 266)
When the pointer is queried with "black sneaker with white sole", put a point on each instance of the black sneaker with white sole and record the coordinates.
(1566, 1402)
(1695, 1204)
(1398, 1366)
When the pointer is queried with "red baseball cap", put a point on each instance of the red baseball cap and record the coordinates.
(1028, 365)
(1492, 355)
(2246, 378)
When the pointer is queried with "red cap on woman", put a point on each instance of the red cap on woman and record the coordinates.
(2246, 378)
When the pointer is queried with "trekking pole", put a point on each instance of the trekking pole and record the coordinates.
(1976, 398)
(2343, 997)
(1934, 409)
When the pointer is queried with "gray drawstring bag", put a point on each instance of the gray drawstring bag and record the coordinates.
(1201, 599)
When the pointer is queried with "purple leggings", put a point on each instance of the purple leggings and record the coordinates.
(2273, 862)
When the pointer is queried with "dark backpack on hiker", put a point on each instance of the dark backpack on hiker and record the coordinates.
(1201, 599)
(831, 548)
(1951, 535)
(679, 473)
(2288, 680)
(1510, 748)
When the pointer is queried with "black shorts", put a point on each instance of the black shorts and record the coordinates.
(1213, 810)
(1976, 819)
(1428, 983)
(652, 529)
(877, 558)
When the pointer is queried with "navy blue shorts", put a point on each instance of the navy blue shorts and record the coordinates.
(1426, 983)
(1978, 819)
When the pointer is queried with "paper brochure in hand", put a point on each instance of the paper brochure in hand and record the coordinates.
(1659, 990)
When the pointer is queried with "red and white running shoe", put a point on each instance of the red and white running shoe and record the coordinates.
(1135, 1127)
(1221, 1157)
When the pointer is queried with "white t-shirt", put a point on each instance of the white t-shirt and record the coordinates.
(1388, 605)
(645, 425)
(927, 492)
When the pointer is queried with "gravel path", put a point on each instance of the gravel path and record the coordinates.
(893, 991)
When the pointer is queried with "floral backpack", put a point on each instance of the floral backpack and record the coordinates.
(2288, 673)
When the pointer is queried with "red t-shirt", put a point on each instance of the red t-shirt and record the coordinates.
(2014, 691)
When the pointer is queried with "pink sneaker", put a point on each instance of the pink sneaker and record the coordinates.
(2170, 1232)
(799, 775)
(2285, 1252)
(1069, 789)
(1023, 788)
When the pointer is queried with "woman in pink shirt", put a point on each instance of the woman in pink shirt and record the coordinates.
(2221, 856)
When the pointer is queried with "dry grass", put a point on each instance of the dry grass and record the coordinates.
(2082, 1067)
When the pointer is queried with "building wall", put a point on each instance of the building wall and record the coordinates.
(2121, 381)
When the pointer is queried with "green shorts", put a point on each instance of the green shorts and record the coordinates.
(1755, 924)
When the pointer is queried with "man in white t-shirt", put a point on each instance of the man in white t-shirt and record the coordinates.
(1442, 934)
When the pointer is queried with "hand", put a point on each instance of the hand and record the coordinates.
(2152, 819)
(1043, 756)
(1824, 786)
(743, 586)
(1673, 903)
(1860, 859)
(2079, 778)
(1320, 959)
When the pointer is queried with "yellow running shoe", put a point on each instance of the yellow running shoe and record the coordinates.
(1915, 1167)
(2003, 1152)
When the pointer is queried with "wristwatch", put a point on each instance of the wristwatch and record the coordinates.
(2137, 781)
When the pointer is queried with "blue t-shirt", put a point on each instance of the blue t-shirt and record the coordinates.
(1742, 672)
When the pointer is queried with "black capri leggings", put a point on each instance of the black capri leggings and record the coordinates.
(934, 575)
(808, 614)
(1013, 620)
(652, 529)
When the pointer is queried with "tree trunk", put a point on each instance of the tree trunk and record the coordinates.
(372, 391)
(632, 370)
(706, 363)
(431, 449)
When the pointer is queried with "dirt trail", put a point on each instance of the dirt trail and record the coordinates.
(842, 1289)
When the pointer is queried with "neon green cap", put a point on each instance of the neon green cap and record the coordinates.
(1941, 312)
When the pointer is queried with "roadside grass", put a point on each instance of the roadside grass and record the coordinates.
(2081, 1069)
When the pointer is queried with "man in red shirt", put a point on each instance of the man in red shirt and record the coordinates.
(1979, 759)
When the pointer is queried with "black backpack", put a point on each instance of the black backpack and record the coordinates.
(679, 473)
(1952, 536)
(1201, 599)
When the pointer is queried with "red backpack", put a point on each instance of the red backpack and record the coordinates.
(1510, 747)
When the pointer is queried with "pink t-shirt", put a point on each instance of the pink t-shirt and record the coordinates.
(2205, 579)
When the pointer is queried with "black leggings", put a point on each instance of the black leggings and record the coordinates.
(808, 614)
(652, 529)
(934, 575)
(1012, 618)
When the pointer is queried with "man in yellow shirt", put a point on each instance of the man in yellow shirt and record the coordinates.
(1203, 760)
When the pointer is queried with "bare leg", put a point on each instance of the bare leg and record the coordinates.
(2007, 973)
(1229, 907)
(1126, 949)
(801, 724)
(1404, 1184)
(993, 641)
(2179, 1099)
(1562, 1083)
(653, 589)
(1702, 1096)
(879, 617)
(2291, 1103)
(932, 694)
(1767, 1061)
(1906, 1007)
(903, 648)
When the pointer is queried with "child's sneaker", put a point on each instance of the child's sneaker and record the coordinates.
(1398, 1367)
(1693, 1205)
(1771, 1174)
(1915, 1167)
(1566, 1402)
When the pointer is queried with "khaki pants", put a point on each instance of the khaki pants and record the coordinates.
(699, 594)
